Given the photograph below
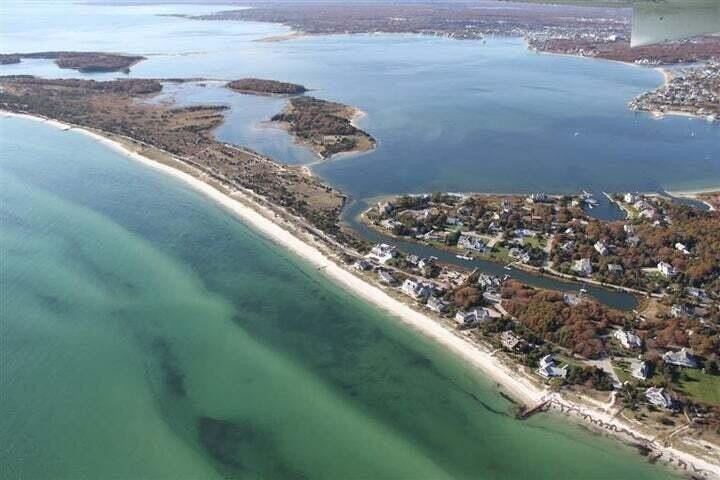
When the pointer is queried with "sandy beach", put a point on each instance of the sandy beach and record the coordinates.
(511, 379)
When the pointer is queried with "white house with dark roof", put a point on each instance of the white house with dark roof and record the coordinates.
(681, 358)
(416, 289)
(382, 253)
(666, 270)
(583, 267)
(628, 339)
(471, 317)
(547, 368)
(659, 397)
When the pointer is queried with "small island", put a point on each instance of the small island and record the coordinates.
(85, 62)
(325, 127)
(259, 86)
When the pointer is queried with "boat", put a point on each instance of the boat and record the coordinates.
(464, 257)
(507, 267)
(583, 291)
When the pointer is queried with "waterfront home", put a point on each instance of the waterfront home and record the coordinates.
(630, 198)
(362, 265)
(628, 339)
(386, 277)
(437, 305)
(572, 299)
(519, 254)
(666, 270)
(382, 253)
(486, 281)
(547, 368)
(682, 358)
(471, 241)
(628, 229)
(537, 198)
(583, 267)
(642, 371)
(472, 317)
(615, 268)
(385, 208)
(659, 397)
(390, 224)
(511, 341)
(418, 290)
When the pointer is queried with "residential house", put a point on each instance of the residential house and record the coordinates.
(682, 248)
(547, 368)
(362, 265)
(437, 305)
(659, 397)
(642, 371)
(583, 267)
(679, 310)
(601, 248)
(666, 270)
(472, 317)
(630, 198)
(511, 341)
(682, 358)
(386, 277)
(471, 241)
(382, 253)
(420, 291)
(628, 339)
(615, 268)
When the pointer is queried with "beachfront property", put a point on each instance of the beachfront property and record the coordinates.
(547, 368)
(641, 371)
(630, 198)
(666, 270)
(681, 358)
(472, 317)
(382, 253)
(583, 267)
(659, 397)
(511, 341)
(437, 305)
(416, 289)
(386, 277)
(628, 339)
(362, 265)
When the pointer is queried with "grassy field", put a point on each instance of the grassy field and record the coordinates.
(699, 386)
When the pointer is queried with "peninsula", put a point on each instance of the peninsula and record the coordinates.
(324, 127)
(258, 86)
(495, 324)
(85, 62)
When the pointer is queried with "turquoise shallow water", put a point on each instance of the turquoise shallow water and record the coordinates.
(147, 334)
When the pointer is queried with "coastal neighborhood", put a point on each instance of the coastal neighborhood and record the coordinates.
(665, 351)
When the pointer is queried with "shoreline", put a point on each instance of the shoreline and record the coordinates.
(511, 379)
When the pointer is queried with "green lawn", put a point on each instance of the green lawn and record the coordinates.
(699, 386)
